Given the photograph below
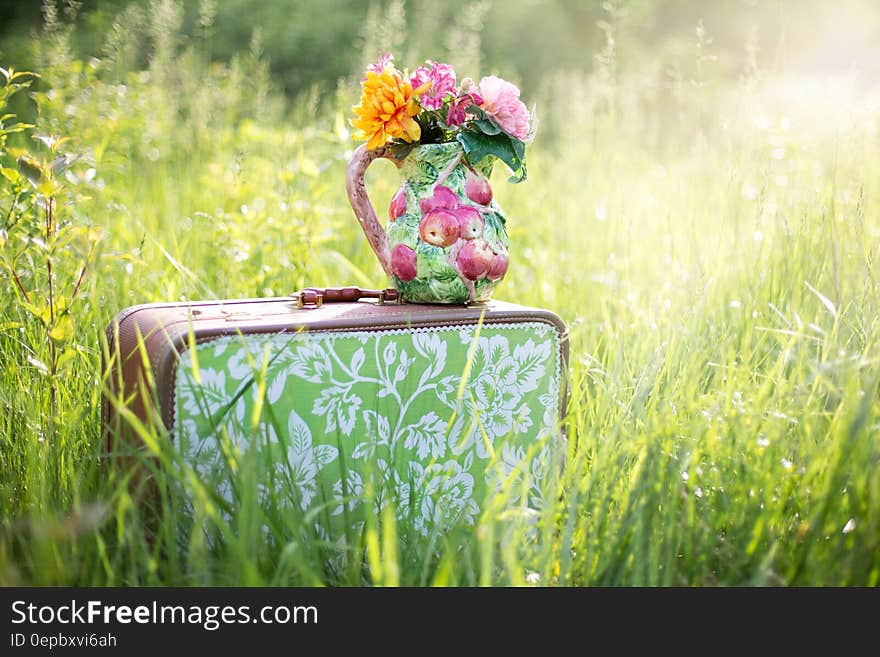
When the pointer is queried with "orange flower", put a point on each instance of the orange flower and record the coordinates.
(388, 103)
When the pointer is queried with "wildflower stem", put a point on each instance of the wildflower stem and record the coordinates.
(82, 273)
(49, 260)
(20, 286)
(53, 354)
(11, 210)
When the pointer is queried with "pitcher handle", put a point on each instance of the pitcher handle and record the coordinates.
(360, 201)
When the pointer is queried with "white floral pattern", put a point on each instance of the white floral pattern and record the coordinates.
(304, 460)
(521, 470)
(447, 497)
(500, 382)
(427, 437)
(357, 420)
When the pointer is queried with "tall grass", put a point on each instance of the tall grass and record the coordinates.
(711, 245)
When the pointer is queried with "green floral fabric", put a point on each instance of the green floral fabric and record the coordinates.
(343, 423)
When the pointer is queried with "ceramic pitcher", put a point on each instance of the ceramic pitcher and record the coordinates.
(446, 240)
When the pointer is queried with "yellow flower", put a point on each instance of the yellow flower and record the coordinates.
(388, 103)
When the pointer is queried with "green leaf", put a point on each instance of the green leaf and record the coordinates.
(31, 169)
(487, 126)
(61, 305)
(429, 171)
(48, 188)
(18, 127)
(400, 149)
(433, 265)
(66, 359)
(11, 175)
(479, 146)
(41, 312)
(50, 142)
(14, 75)
(63, 329)
(449, 290)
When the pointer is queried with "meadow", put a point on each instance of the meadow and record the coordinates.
(710, 240)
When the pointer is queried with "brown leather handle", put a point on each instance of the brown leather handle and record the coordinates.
(360, 201)
(315, 296)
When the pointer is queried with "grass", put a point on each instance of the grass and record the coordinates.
(712, 252)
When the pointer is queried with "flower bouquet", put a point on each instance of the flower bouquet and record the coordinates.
(446, 240)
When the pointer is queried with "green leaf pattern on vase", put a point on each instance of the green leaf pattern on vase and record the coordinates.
(460, 245)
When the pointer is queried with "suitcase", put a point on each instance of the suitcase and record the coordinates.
(345, 401)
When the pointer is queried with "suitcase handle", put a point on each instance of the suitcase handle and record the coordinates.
(316, 296)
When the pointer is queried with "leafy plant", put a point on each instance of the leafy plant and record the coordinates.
(42, 250)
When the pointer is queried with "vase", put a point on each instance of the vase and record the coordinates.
(446, 240)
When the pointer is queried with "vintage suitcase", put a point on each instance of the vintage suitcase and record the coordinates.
(349, 400)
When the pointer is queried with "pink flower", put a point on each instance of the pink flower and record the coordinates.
(379, 66)
(442, 79)
(501, 102)
(457, 113)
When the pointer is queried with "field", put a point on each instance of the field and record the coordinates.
(710, 240)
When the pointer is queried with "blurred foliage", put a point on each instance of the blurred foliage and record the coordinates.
(313, 42)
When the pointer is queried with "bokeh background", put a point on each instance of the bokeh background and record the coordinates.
(315, 43)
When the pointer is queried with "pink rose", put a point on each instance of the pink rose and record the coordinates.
(442, 79)
(457, 113)
(501, 102)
